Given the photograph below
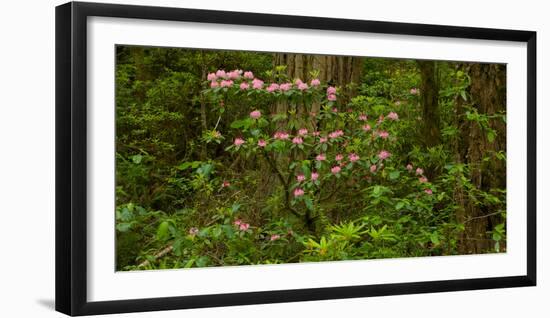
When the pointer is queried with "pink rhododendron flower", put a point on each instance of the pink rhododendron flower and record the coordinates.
(419, 171)
(226, 184)
(383, 134)
(334, 109)
(409, 167)
(297, 140)
(339, 157)
(336, 134)
(335, 169)
(226, 83)
(298, 192)
(238, 142)
(193, 231)
(298, 82)
(331, 90)
(211, 77)
(257, 84)
(314, 176)
(221, 74)
(233, 74)
(423, 179)
(362, 117)
(300, 178)
(281, 135)
(322, 140)
(315, 82)
(321, 157)
(302, 86)
(244, 86)
(272, 87)
(373, 168)
(393, 116)
(238, 222)
(274, 237)
(384, 155)
(244, 226)
(353, 157)
(255, 114)
(248, 75)
(413, 91)
(261, 143)
(428, 191)
(331, 97)
(315, 133)
(302, 132)
(285, 87)
(214, 84)
(366, 127)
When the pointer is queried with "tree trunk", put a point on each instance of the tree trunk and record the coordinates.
(342, 71)
(204, 124)
(429, 93)
(488, 97)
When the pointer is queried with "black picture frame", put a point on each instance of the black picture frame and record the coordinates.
(71, 157)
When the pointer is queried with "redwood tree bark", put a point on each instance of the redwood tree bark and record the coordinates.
(336, 70)
(488, 96)
(342, 71)
(429, 93)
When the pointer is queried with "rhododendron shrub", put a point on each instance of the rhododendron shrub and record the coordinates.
(325, 161)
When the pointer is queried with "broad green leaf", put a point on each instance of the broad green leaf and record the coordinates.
(255, 132)
(238, 124)
(125, 215)
(202, 261)
(123, 227)
(394, 175)
(399, 205)
(434, 237)
(189, 263)
(137, 158)
(491, 134)
(235, 207)
(163, 231)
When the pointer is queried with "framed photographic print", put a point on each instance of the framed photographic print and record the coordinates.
(208, 158)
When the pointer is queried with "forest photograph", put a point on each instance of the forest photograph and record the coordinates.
(227, 158)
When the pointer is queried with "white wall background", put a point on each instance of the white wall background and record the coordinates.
(27, 158)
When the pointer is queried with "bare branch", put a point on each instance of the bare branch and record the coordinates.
(160, 254)
(285, 185)
(481, 217)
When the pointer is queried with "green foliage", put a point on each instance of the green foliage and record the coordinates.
(186, 184)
